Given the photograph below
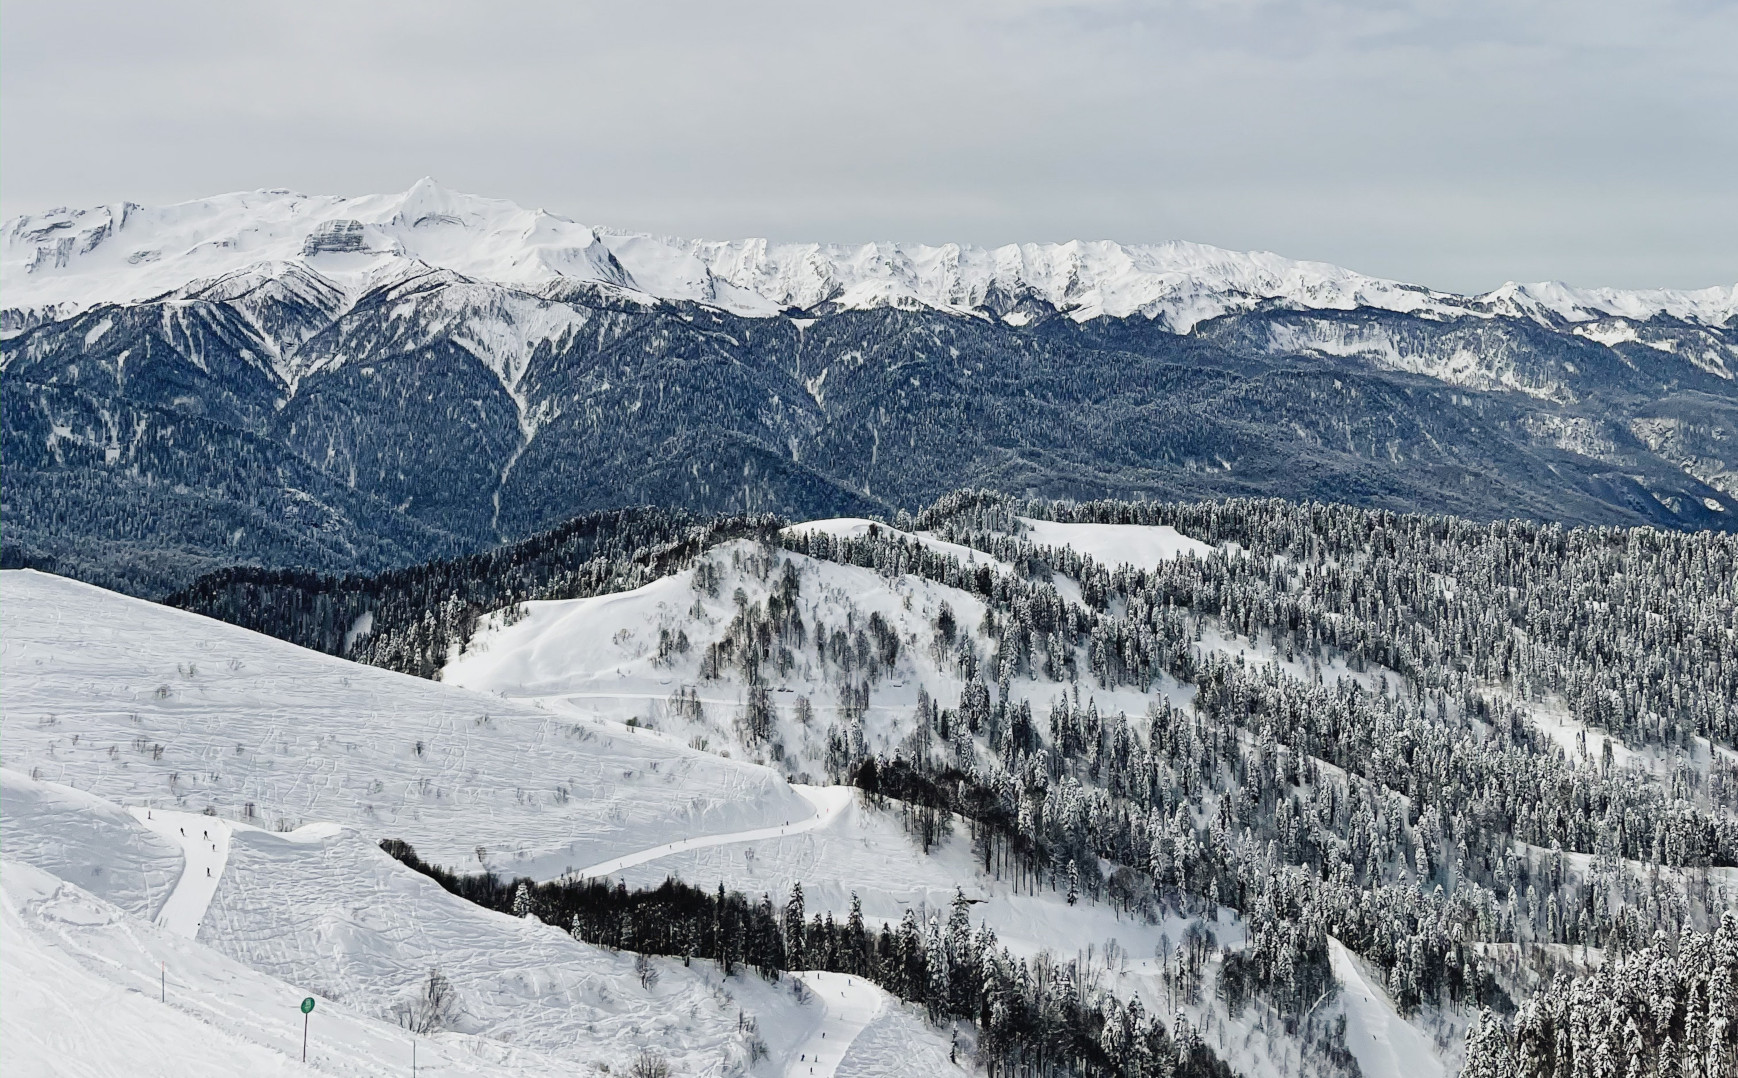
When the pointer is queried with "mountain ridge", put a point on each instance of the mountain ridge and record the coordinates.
(65, 260)
(351, 396)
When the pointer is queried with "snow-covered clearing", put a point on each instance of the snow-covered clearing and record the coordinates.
(1305, 668)
(1143, 546)
(147, 705)
(1553, 719)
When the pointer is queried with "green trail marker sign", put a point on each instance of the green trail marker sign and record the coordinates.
(307, 1005)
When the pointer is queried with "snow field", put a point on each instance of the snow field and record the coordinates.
(341, 916)
(1140, 545)
(80, 996)
(147, 705)
(86, 840)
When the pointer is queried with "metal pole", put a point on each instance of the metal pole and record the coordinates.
(304, 1036)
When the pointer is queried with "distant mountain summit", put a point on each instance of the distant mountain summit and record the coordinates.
(361, 383)
(66, 260)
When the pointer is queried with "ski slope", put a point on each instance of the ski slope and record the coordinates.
(146, 705)
(1384, 1043)
(323, 911)
(86, 840)
(204, 842)
(850, 1004)
(79, 995)
(829, 802)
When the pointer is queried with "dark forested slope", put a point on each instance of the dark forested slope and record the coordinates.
(145, 444)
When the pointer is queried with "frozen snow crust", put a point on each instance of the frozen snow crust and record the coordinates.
(67, 260)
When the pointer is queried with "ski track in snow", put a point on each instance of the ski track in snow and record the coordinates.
(851, 1003)
(204, 842)
(829, 801)
(1385, 1044)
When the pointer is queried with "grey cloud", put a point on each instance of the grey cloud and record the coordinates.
(1458, 145)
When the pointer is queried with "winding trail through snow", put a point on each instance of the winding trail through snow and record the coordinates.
(829, 801)
(850, 1003)
(204, 842)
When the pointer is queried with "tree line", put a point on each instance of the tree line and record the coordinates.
(1036, 1018)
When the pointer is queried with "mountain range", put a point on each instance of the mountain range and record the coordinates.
(358, 383)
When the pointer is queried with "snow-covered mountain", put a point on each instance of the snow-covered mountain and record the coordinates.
(352, 384)
(66, 260)
(130, 725)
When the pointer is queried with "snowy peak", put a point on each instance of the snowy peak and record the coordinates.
(67, 260)
(73, 259)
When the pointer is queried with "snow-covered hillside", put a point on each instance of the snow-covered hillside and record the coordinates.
(145, 704)
(639, 654)
(66, 260)
(579, 737)
(218, 741)
(324, 912)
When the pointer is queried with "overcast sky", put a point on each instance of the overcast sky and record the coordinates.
(1455, 144)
